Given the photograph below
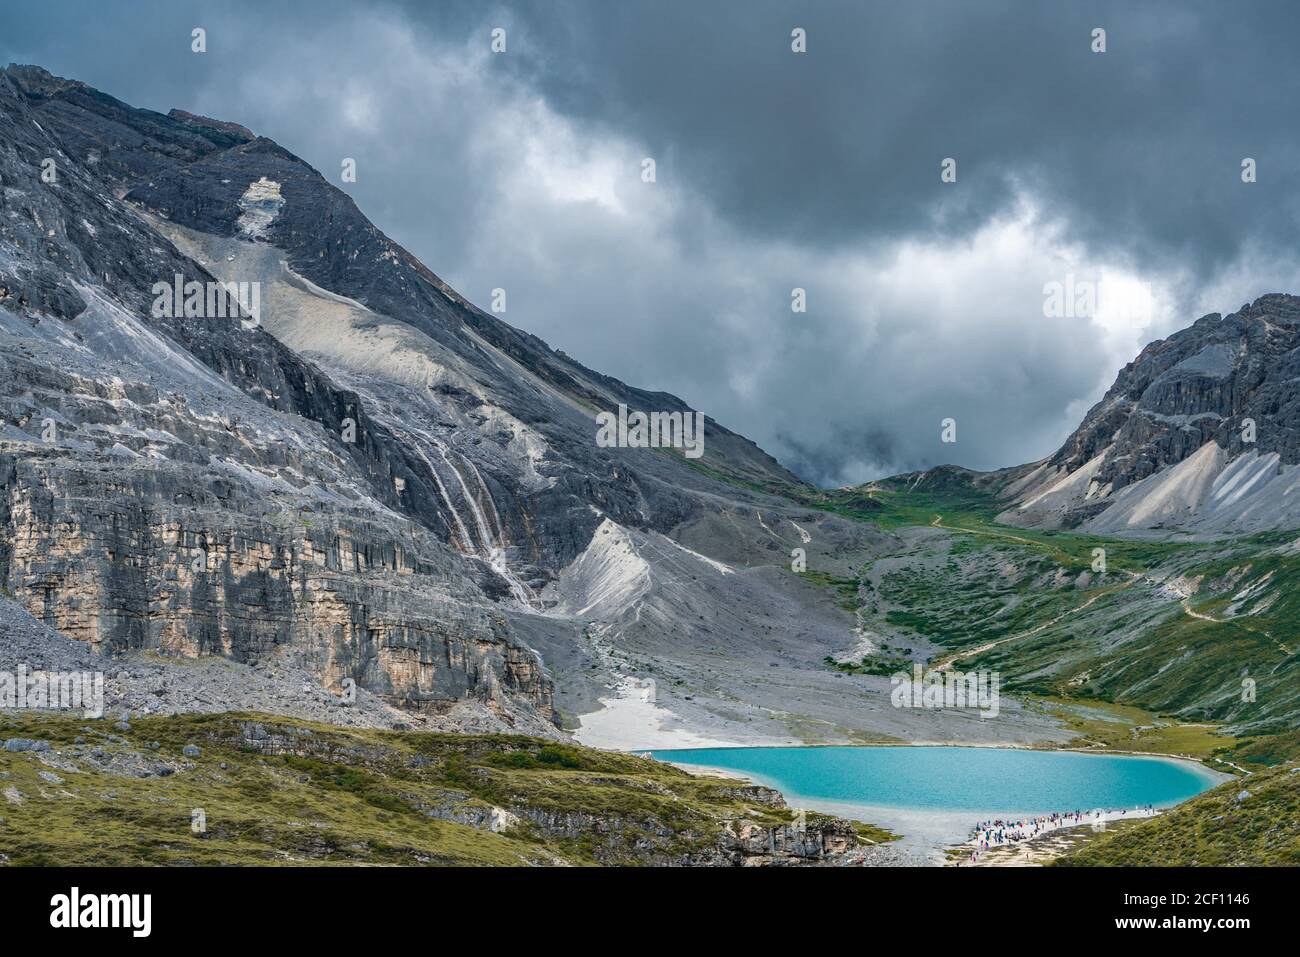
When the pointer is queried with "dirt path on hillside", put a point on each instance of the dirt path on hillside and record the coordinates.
(1234, 621)
(938, 523)
(947, 661)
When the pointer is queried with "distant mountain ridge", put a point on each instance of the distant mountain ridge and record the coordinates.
(1199, 433)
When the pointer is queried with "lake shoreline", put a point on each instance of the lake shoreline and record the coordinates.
(928, 832)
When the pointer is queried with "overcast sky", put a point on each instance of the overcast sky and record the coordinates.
(775, 170)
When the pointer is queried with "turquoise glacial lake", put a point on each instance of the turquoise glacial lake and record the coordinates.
(957, 779)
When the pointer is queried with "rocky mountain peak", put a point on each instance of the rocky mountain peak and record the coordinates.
(1231, 382)
(194, 119)
(37, 81)
(376, 482)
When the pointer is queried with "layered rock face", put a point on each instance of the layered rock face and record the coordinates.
(1200, 431)
(118, 533)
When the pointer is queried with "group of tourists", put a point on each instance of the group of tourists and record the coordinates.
(999, 832)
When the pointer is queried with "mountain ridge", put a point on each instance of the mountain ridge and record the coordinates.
(377, 480)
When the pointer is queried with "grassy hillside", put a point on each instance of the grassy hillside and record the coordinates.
(1250, 821)
(279, 791)
(1205, 633)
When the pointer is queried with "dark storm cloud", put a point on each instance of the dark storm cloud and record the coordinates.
(1140, 146)
(776, 170)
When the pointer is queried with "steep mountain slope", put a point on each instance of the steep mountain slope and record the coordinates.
(1201, 433)
(181, 485)
(359, 472)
